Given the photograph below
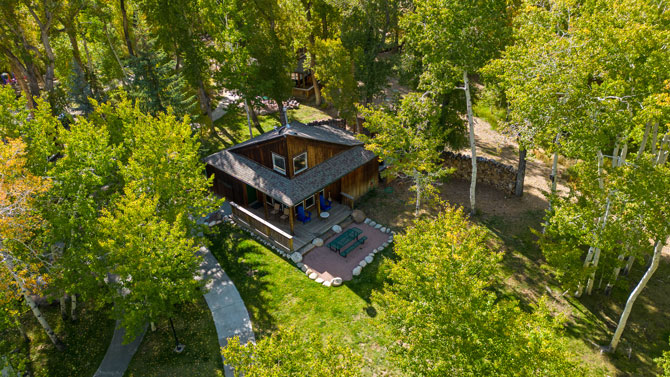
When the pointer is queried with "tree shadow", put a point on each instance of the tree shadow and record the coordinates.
(242, 263)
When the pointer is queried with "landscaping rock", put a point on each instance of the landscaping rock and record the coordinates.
(337, 229)
(337, 281)
(299, 265)
(378, 226)
(383, 229)
(313, 275)
(327, 283)
(309, 271)
(319, 280)
(372, 223)
(303, 268)
(368, 259)
(375, 251)
(317, 242)
(357, 271)
(367, 220)
(363, 263)
(296, 257)
(358, 216)
(385, 245)
(390, 239)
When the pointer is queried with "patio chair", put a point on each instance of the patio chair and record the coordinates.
(285, 215)
(325, 204)
(303, 215)
(276, 210)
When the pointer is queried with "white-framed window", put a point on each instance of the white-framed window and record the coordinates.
(299, 163)
(278, 163)
(309, 202)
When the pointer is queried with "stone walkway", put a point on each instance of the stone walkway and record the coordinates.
(230, 318)
(230, 315)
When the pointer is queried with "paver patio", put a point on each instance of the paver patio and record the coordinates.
(329, 264)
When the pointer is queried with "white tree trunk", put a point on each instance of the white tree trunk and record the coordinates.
(417, 182)
(118, 61)
(654, 137)
(643, 144)
(153, 326)
(629, 265)
(63, 306)
(473, 147)
(246, 108)
(554, 173)
(596, 251)
(633, 296)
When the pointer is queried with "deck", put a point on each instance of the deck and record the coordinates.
(305, 233)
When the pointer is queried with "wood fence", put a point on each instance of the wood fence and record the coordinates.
(262, 226)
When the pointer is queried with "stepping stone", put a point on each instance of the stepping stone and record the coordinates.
(319, 280)
(356, 271)
(337, 281)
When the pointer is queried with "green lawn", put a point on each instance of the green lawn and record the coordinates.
(277, 294)
(86, 342)
(195, 328)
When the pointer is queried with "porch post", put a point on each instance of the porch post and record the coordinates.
(318, 203)
(290, 218)
(265, 205)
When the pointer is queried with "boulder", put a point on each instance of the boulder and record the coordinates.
(367, 220)
(296, 257)
(313, 275)
(368, 259)
(372, 223)
(327, 283)
(317, 242)
(358, 216)
(383, 229)
(303, 268)
(363, 263)
(357, 271)
(337, 229)
(378, 226)
(337, 281)
(319, 280)
(299, 265)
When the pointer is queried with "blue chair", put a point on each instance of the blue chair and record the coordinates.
(325, 204)
(301, 215)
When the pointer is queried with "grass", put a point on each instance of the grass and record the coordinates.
(195, 328)
(86, 342)
(278, 294)
(490, 113)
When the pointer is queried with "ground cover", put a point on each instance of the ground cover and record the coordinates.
(277, 294)
(86, 341)
(195, 328)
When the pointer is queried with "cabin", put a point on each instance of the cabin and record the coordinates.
(292, 184)
(303, 80)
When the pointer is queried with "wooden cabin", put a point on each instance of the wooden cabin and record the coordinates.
(303, 80)
(289, 167)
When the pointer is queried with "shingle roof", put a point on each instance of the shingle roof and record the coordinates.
(290, 191)
(321, 133)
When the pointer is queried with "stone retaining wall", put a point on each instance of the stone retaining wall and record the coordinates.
(490, 172)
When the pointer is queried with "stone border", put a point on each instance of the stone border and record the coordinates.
(357, 270)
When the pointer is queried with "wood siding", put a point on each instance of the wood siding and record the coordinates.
(262, 152)
(361, 180)
(227, 186)
(317, 151)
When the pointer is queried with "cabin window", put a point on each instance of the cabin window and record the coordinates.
(269, 200)
(299, 163)
(309, 202)
(278, 163)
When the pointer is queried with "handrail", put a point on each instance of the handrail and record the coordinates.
(268, 224)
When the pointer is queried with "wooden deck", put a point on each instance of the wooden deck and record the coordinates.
(305, 233)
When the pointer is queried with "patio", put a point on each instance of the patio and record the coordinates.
(305, 233)
(329, 264)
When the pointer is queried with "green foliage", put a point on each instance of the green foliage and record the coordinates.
(664, 363)
(288, 353)
(440, 306)
(336, 74)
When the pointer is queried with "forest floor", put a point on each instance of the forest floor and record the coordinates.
(591, 319)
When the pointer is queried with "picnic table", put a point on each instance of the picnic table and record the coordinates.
(346, 237)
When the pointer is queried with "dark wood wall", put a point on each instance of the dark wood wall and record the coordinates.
(359, 181)
(227, 186)
(262, 152)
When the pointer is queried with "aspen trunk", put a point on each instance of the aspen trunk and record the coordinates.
(654, 136)
(521, 172)
(254, 119)
(73, 309)
(118, 61)
(63, 306)
(596, 251)
(554, 173)
(633, 296)
(629, 265)
(153, 326)
(246, 109)
(643, 144)
(51, 61)
(126, 32)
(418, 193)
(473, 147)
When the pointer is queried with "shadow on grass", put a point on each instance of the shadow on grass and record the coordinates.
(242, 260)
(373, 277)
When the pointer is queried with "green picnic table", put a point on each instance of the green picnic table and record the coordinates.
(346, 237)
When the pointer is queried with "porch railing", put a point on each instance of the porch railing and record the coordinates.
(262, 226)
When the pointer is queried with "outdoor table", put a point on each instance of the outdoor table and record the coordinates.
(346, 237)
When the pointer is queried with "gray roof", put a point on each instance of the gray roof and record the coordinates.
(321, 133)
(286, 190)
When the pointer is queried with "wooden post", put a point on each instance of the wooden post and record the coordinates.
(265, 205)
(290, 218)
(318, 204)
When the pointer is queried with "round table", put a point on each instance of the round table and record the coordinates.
(324, 215)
